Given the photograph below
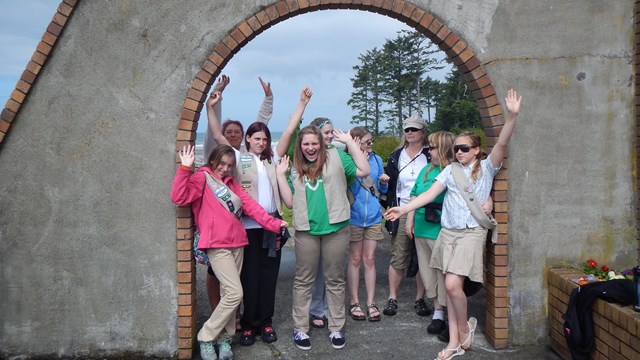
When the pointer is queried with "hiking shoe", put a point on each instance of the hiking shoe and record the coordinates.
(444, 335)
(436, 326)
(391, 308)
(302, 340)
(269, 335)
(421, 308)
(337, 339)
(247, 338)
(207, 350)
(224, 350)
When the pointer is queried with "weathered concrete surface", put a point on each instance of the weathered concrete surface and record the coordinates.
(87, 232)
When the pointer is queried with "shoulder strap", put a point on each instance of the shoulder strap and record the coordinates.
(227, 198)
(469, 196)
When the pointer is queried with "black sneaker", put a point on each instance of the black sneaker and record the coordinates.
(391, 308)
(337, 339)
(302, 340)
(247, 338)
(444, 335)
(421, 308)
(269, 335)
(436, 326)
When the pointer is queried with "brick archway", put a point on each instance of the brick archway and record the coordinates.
(497, 325)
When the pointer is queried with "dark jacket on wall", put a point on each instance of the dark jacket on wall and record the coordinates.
(578, 325)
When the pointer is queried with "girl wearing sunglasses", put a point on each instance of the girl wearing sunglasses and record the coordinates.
(459, 249)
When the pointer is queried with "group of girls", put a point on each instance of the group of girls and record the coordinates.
(239, 220)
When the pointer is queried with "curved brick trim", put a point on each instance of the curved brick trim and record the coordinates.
(35, 65)
(636, 59)
(497, 325)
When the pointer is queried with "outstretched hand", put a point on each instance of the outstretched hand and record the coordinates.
(393, 213)
(266, 87)
(213, 99)
(513, 101)
(221, 84)
(187, 155)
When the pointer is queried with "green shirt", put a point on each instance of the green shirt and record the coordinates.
(317, 202)
(421, 227)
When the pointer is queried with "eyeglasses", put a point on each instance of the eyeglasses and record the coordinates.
(368, 142)
(432, 147)
(411, 129)
(464, 148)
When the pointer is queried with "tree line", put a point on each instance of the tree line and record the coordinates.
(395, 81)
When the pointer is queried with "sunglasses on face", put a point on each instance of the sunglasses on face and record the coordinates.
(464, 148)
(368, 142)
(411, 129)
(432, 147)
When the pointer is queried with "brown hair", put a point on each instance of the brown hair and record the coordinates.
(475, 142)
(304, 168)
(257, 126)
(218, 153)
(232, 122)
(320, 122)
(443, 140)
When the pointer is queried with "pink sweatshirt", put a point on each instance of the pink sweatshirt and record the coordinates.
(218, 227)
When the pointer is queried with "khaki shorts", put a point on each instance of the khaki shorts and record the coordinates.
(401, 246)
(373, 232)
(460, 252)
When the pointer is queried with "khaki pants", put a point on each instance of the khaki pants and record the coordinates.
(433, 279)
(309, 248)
(226, 264)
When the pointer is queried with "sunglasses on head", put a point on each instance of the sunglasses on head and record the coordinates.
(411, 129)
(464, 148)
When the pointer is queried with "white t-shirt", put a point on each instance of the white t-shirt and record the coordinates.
(408, 175)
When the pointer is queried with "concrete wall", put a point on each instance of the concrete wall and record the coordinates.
(87, 230)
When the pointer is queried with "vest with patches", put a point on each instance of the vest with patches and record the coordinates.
(248, 177)
(334, 183)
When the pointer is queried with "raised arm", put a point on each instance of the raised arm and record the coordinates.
(209, 142)
(214, 120)
(359, 158)
(286, 195)
(294, 121)
(512, 101)
(419, 201)
(266, 109)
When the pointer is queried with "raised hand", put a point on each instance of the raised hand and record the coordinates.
(513, 101)
(187, 155)
(221, 84)
(266, 87)
(283, 165)
(213, 99)
(305, 95)
(342, 136)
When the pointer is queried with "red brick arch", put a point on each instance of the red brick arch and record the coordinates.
(497, 325)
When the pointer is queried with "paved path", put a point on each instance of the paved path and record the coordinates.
(403, 336)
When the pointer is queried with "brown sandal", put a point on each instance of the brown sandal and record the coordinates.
(373, 308)
(355, 308)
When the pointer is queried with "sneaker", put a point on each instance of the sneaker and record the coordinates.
(247, 338)
(269, 335)
(224, 349)
(302, 340)
(207, 350)
(421, 308)
(337, 339)
(436, 326)
(391, 308)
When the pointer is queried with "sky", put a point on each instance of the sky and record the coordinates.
(317, 49)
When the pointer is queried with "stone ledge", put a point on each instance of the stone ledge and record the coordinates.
(616, 328)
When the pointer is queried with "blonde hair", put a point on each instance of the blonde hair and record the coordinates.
(443, 140)
(475, 142)
(304, 168)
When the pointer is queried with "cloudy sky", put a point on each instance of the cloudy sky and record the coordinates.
(317, 49)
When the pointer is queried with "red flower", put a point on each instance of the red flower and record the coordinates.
(604, 268)
(592, 263)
